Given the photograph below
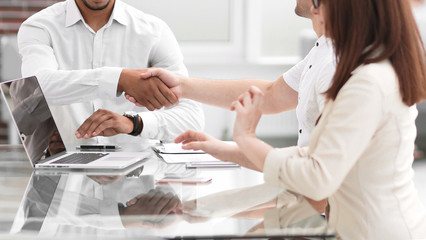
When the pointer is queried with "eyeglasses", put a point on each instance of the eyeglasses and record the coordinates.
(316, 3)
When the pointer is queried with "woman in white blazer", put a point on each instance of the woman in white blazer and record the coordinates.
(361, 151)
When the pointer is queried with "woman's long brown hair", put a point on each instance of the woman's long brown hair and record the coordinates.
(360, 28)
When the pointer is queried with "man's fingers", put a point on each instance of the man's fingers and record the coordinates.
(161, 204)
(99, 125)
(150, 106)
(168, 95)
(156, 197)
(147, 105)
(99, 131)
(134, 200)
(83, 129)
(172, 203)
(150, 195)
(55, 137)
(130, 98)
(160, 95)
(144, 92)
(152, 92)
(96, 120)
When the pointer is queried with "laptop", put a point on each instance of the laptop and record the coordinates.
(40, 136)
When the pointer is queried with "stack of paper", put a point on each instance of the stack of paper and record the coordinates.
(173, 153)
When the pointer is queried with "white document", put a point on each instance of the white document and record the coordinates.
(185, 158)
(173, 148)
(173, 153)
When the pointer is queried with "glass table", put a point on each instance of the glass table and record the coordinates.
(132, 204)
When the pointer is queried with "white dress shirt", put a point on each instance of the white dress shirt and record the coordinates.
(310, 78)
(79, 69)
(360, 157)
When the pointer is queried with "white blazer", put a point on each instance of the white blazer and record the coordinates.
(360, 157)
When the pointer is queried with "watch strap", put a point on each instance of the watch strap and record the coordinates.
(135, 120)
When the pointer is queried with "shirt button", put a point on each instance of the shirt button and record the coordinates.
(310, 66)
(300, 131)
(317, 44)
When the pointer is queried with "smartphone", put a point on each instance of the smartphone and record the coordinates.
(184, 180)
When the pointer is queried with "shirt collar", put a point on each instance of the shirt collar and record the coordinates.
(322, 40)
(119, 14)
(73, 14)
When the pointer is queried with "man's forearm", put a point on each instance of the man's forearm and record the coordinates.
(72, 86)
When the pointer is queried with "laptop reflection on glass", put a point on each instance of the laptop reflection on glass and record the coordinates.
(41, 139)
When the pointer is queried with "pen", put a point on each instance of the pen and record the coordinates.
(96, 147)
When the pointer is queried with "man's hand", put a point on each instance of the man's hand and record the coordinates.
(152, 209)
(56, 144)
(104, 123)
(171, 80)
(153, 203)
(149, 92)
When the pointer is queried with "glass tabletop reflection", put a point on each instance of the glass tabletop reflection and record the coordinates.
(133, 203)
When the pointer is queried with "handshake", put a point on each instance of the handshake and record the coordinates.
(152, 88)
(155, 88)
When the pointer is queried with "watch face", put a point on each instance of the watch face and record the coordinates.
(130, 114)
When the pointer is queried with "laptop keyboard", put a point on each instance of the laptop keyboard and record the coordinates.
(80, 158)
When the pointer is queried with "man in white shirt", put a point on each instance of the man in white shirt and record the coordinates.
(85, 53)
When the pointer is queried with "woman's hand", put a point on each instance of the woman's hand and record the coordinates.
(201, 141)
(248, 109)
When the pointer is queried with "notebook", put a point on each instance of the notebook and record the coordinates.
(40, 136)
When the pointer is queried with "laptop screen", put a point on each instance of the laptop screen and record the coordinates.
(33, 118)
